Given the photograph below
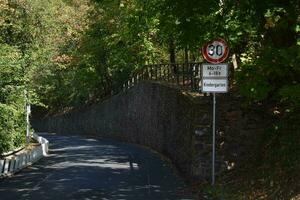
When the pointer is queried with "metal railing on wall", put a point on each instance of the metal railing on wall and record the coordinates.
(184, 75)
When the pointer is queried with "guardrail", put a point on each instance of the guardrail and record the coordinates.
(14, 164)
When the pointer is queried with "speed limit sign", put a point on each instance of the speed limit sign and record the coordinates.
(215, 51)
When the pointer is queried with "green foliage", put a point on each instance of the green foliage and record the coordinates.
(254, 85)
(12, 128)
(14, 40)
(274, 62)
(290, 95)
(11, 74)
(217, 192)
(12, 117)
(57, 27)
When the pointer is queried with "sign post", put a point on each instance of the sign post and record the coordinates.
(28, 111)
(214, 80)
(214, 141)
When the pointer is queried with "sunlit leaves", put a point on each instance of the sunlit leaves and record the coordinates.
(11, 98)
(12, 128)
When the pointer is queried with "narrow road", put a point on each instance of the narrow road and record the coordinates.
(88, 169)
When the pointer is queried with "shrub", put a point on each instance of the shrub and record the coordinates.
(12, 128)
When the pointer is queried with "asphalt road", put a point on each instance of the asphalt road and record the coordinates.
(88, 169)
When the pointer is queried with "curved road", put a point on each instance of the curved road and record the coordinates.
(88, 169)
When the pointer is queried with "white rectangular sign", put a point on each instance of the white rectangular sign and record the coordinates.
(215, 85)
(214, 70)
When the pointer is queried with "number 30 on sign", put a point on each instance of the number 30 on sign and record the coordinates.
(215, 51)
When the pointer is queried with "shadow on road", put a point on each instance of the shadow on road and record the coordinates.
(82, 168)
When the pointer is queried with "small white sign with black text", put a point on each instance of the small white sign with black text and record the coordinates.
(214, 70)
(214, 78)
(215, 85)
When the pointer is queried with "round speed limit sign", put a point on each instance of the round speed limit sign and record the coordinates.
(215, 51)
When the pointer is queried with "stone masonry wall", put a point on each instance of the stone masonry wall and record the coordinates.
(160, 117)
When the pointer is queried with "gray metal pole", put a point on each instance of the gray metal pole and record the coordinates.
(27, 124)
(27, 110)
(214, 140)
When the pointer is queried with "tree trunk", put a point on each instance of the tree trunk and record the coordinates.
(233, 67)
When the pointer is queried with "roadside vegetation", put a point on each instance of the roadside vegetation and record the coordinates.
(68, 53)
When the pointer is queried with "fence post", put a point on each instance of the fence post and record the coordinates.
(183, 74)
(199, 76)
(191, 74)
(155, 71)
(177, 74)
(168, 72)
(143, 73)
(133, 81)
(161, 72)
(151, 72)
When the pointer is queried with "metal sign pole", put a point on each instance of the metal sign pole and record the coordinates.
(28, 110)
(215, 80)
(214, 140)
(27, 124)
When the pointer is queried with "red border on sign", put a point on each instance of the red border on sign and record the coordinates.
(211, 60)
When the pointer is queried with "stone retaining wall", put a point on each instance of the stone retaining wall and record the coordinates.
(160, 117)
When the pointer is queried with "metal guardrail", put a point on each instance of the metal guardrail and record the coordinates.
(11, 165)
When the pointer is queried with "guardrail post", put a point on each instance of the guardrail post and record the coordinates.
(11, 165)
(1, 166)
